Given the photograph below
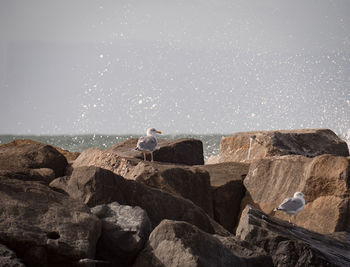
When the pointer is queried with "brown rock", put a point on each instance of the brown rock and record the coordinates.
(185, 151)
(192, 183)
(97, 186)
(45, 175)
(70, 156)
(9, 258)
(18, 156)
(227, 190)
(306, 142)
(44, 227)
(182, 244)
(291, 245)
(324, 180)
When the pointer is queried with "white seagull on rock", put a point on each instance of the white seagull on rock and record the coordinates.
(293, 205)
(147, 144)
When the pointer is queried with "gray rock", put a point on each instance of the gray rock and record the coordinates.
(45, 227)
(291, 245)
(125, 230)
(181, 244)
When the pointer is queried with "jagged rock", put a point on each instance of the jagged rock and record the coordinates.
(306, 142)
(44, 227)
(125, 230)
(324, 180)
(291, 245)
(192, 183)
(182, 244)
(187, 151)
(45, 175)
(9, 258)
(97, 186)
(19, 156)
(227, 190)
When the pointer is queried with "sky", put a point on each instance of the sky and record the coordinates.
(191, 66)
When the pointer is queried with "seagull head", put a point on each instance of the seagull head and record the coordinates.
(298, 195)
(153, 131)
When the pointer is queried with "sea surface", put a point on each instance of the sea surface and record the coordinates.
(211, 143)
(78, 143)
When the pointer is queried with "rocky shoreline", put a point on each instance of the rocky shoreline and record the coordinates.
(110, 208)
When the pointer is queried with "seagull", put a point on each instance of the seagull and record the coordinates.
(148, 143)
(293, 205)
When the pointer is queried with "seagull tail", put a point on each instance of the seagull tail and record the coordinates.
(136, 148)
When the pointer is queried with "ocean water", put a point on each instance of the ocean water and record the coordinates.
(78, 143)
(211, 143)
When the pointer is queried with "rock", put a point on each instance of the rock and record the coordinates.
(45, 175)
(186, 151)
(9, 258)
(291, 245)
(192, 183)
(45, 227)
(97, 186)
(324, 180)
(306, 142)
(70, 156)
(227, 190)
(125, 230)
(18, 156)
(181, 244)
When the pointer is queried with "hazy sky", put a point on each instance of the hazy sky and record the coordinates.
(191, 66)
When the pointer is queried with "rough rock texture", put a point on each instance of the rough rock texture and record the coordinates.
(192, 183)
(97, 186)
(291, 245)
(185, 151)
(324, 180)
(182, 244)
(18, 156)
(8, 258)
(306, 142)
(45, 227)
(70, 156)
(227, 190)
(43, 174)
(125, 230)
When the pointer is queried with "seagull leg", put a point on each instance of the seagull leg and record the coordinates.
(152, 156)
(144, 156)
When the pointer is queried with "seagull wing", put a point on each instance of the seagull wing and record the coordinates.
(291, 205)
(147, 143)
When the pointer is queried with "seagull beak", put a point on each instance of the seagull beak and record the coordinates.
(160, 132)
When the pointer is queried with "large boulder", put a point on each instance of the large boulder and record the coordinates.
(226, 180)
(95, 186)
(324, 180)
(306, 142)
(125, 230)
(187, 151)
(189, 182)
(291, 245)
(18, 156)
(44, 175)
(44, 227)
(9, 258)
(182, 244)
